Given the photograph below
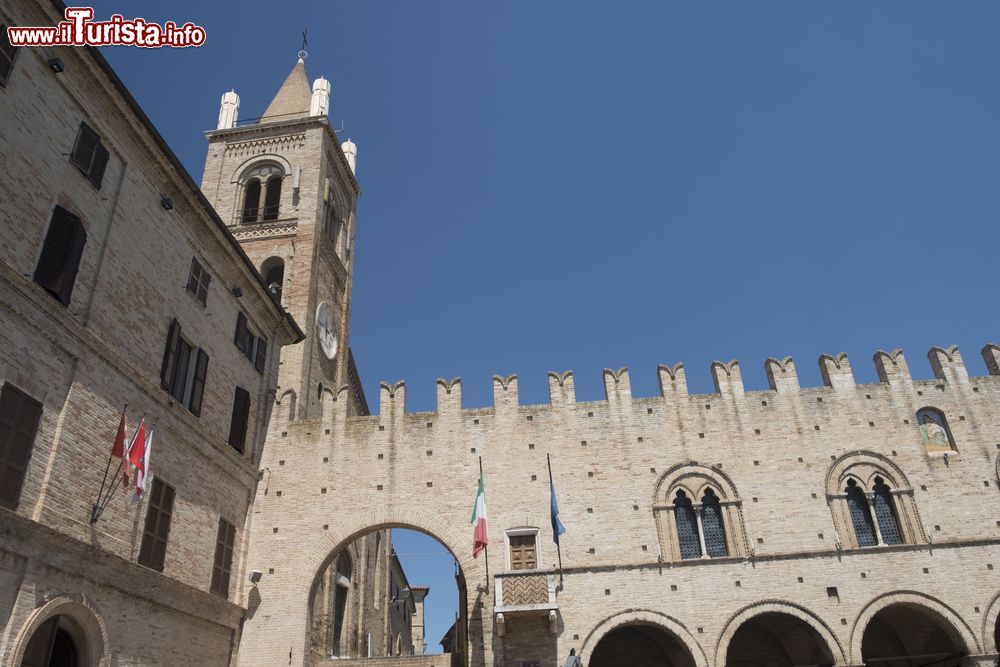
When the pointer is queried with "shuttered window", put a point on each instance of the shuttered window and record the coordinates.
(239, 338)
(523, 555)
(861, 517)
(198, 383)
(89, 155)
(711, 525)
(687, 527)
(261, 359)
(19, 417)
(153, 550)
(183, 362)
(61, 253)
(7, 55)
(241, 416)
(885, 514)
(198, 281)
(223, 562)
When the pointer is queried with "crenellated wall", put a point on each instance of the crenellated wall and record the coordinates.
(343, 475)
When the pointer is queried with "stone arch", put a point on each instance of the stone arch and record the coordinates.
(959, 630)
(286, 407)
(695, 479)
(991, 619)
(751, 611)
(642, 617)
(242, 171)
(86, 619)
(319, 555)
(862, 468)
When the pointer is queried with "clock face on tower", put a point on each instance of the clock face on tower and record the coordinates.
(326, 330)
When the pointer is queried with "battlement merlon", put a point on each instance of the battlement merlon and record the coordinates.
(836, 371)
(946, 363)
(781, 374)
(449, 396)
(727, 378)
(562, 390)
(991, 355)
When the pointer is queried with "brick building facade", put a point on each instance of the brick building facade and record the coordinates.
(845, 524)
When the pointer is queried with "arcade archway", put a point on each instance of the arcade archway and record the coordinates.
(775, 639)
(641, 645)
(911, 635)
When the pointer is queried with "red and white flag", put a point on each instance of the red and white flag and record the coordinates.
(142, 465)
(136, 452)
(480, 533)
(119, 450)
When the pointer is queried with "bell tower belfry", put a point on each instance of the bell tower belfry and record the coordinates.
(285, 186)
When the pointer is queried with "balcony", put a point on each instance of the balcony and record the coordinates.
(254, 214)
(525, 593)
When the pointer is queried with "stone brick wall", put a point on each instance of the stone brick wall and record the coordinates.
(85, 361)
(610, 459)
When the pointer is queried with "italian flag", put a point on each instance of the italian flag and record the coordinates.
(480, 534)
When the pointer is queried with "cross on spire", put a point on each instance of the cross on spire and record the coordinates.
(303, 54)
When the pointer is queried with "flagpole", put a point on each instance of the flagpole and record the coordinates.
(486, 548)
(548, 458)
(94, 514)
(114, 486)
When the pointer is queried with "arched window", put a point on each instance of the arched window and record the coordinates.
(872, 502)
(272, 198)
(700, 514)
(935, 431)
(273, 271)
(861, 516)
(711, 525)
(687, 527)
(885, 513)
(251, 201)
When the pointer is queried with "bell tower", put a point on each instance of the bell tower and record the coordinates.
(285, 186)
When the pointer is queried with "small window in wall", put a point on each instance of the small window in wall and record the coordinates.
(7, 55)
(19, 417)
(252, 347)
(687, 526)
(184, 370)
(272, 198)
(89, 155)
(861, 516)
(153, 550)
(240, 420)
(935, 431)
(198, 281)
(523, 551)
(222, 565)
(60, 258)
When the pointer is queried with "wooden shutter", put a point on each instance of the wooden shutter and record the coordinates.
(100, 163)
(61, 253)
(7, 54)
(84, 148)
(170, 354)
(222, 566)
(198, 384)
(241, 415)
(239, 338)
(206, 280)
(153, 550)
(194, 277)
(19, 417)
(261, 359)
(522, 552)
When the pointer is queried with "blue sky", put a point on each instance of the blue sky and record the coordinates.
(580, 185)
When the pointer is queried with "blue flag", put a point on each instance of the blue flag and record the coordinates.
(557, 527)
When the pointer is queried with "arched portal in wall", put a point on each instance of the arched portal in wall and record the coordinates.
(66, 631)
(775, 639)
(641, 645)
(369, 599)
(911, 635)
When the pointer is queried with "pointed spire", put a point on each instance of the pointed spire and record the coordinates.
(292, 100)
